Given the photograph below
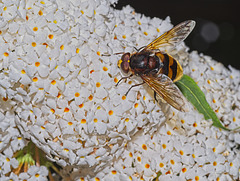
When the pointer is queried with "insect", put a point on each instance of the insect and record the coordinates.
(157, 68)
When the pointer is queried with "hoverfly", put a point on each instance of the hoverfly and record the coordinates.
(157, 68)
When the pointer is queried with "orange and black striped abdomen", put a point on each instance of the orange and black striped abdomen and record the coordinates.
(171, 67)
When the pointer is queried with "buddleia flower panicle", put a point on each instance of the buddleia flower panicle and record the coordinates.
(58, 90)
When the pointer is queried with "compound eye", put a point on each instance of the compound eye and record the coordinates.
(125, 66)
(125, 57)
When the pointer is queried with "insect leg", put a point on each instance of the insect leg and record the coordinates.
(118, 53)
(107, 54)
(133, 86)
(155, 96)
(123, 78)
(160, 98)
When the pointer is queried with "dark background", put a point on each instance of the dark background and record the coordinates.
(217, 32)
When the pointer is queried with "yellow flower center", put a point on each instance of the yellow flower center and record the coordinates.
(77, 94)
(35, 28)
(181, 152)
(130, 154)
(40, 13)
(53, 82)
(184, 170)
(90, 97)
(83, 121)
(161, 165)
(37, 64)
(115, 80)
(81, 105)
(34, 44)
(114, 172)
(50, 36)
(144, 147)
(98, 84)
(66, 109)
(105, 69)
(6, 54)
(147, 166)
(110, 112)
(35, 79)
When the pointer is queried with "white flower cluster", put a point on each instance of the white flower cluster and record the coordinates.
(59, 87)
(34, 173)
(59, 91)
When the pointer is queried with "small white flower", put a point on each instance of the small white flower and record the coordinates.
(7, 161)
(127, 123)
(98, 122)
(5, 55)
(23, 176)
(57, 20)
(12, 176)
(18, 143)
(37, 173)
(196, 173)
(232, 166)
(9, 11)
(39, 65)
(124, 33)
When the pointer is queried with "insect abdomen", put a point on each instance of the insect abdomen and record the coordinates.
(171, 67)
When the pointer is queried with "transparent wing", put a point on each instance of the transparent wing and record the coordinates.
(167, 90)
(172, 38)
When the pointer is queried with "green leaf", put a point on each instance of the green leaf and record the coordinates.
(193, 93)
(158, 175)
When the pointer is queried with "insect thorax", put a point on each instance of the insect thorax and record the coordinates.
(143, 62)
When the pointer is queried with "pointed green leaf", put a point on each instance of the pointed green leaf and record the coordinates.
(158, 175)
(193, 93)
